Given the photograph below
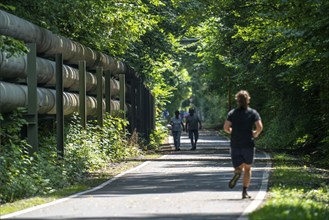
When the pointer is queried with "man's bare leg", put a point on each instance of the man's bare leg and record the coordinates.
(237, 174)
(246, 180)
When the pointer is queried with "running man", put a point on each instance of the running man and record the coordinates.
(240, 124)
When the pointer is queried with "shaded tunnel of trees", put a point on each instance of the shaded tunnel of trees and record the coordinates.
(277, 50)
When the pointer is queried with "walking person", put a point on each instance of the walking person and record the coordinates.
(192, 126)
(177, 125)
(244, 124)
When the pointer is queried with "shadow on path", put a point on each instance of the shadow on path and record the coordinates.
(179, 185)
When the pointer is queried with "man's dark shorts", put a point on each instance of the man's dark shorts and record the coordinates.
(194, 132)
(242, 155)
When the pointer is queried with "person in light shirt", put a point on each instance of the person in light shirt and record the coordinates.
(177, 125)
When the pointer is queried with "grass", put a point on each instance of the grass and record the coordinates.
(38, 200)
(296, 192)
(93, 180)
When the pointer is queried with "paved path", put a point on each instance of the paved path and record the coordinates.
(180, 185)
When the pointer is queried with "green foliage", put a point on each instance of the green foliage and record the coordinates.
(277, 50)
(144, 34)
(86, 150)
(303, 197)
(147, 36)
(295, 205)
(110, 26)
(213, 108)
(14, 159)
(157, 57)
(12, 46)
(93, 148)
(274, 49)
(157, 136)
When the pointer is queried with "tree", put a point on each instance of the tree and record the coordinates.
(277, 49)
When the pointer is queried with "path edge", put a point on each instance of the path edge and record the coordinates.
(260, 197)
(27, 210)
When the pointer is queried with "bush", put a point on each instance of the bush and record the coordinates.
(86, 150)
(14, 159)
(92, 148)
(157, 136)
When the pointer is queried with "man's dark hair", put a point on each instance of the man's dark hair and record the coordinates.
(243, 99)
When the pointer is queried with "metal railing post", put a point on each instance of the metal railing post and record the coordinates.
(133, 100)
(59, 105)
(108, 91)
(148, 114)
(122, 81)
(139, 113)
(99, 75)
(82, 93)
(32, 109)
(144, 112)
(153, 111)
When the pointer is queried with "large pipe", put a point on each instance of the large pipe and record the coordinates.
(16, 67)
(13, 96)
(50, 44)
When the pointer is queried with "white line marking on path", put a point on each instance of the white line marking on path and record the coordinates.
(74, 195)
(261, 193)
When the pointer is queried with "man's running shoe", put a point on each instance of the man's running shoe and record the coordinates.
(245, 195)
(233, 181)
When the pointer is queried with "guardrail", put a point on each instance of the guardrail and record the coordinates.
(89, 82)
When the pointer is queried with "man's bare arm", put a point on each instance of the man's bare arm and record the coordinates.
(259, 128)
(227, 127)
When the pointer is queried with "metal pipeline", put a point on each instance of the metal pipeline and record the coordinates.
(16, 67)
(50, 44)
(13, 96)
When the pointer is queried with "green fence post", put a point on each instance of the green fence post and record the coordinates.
(133, 99)
(99, 75)
(153, 111)
(139, 111)
(59, 105)
(144, 115)
(82, 93)
(32, 97)
(108, 91)
(122, 81)
(148, 114)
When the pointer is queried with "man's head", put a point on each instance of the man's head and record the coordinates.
(243, 99)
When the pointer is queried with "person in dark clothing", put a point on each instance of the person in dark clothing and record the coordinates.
(192, 126)
(244, 124)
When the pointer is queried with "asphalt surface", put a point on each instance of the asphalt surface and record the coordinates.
(180, 185)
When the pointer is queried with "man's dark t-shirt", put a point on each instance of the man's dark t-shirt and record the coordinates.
(242, 121)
